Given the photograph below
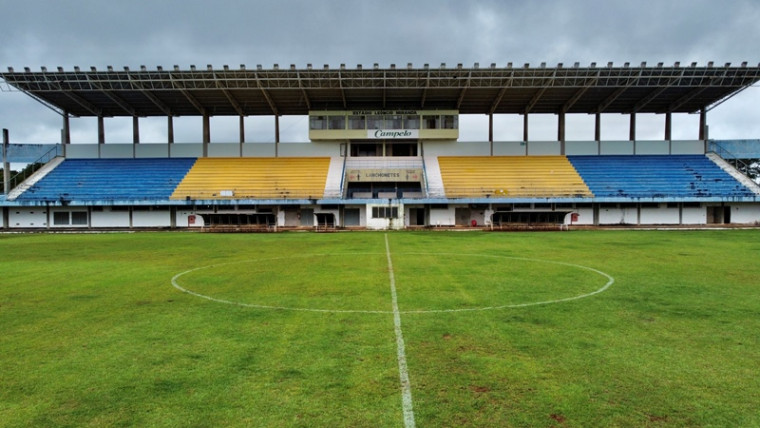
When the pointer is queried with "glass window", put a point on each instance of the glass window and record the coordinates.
(79, 218)
(431, 122)
(412, 122)
(61, 218)
(450, 122)
(356, 122)
(384, 212)
(318, 122)
(336, 122)
(393, 121)
(374, 122)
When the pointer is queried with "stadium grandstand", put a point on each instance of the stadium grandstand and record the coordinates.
(383, 150)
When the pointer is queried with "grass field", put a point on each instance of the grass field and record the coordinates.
(300, 329)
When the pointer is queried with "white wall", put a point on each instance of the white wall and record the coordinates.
(384, 223)
(544, 148)
(509, 148)
(182, 218)
(27, 217)
(109, 218)
(2, 217)
(117, 150)
(661, 215)
(616, 147)
(443, 217)
(585, 216)
(258, 150)
(691, 147)
(581, 148)
(151, 150)
(308, 149)
(454, 148)
(627, 215)
(186, 150)
(745, 213)
(652, 147)
(160, 218)
(693, 215)
(224, 150)
(83, 151)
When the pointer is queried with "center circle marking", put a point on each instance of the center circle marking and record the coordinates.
(610, 281)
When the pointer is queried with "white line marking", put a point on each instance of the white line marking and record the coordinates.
(406, 387)
(610, 281)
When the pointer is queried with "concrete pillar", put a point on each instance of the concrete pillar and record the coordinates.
(598, 127)
(206, 133)
(668, 126)
(525, 128)
(6, 165)
(561, 132)
(101, 130)
(490, 131)
(632, 130)
(135, 130)
(170, 129)
(242, 129)
(66, 137)
(206, 128)
(703, 124)
(276, 135)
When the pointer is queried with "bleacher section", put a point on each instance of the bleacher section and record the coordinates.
(110, 179)
(255, 178)
(657, 176)
(510, 176)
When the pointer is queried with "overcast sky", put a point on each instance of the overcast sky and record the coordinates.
(166, 32)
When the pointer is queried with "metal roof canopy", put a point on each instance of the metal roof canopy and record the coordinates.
(293, 91)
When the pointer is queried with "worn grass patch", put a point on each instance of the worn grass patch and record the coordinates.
(94, 334)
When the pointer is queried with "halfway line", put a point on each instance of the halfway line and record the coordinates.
(406, 388)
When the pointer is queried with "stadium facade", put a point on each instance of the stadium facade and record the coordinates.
(384, 150)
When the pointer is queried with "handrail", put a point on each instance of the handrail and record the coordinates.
(424, 177)
(343, 178)
(41, 161)
(728, 156)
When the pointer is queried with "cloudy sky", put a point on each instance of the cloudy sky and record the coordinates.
(121, 33)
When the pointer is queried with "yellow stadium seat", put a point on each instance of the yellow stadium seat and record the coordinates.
(255, 178)
(510, 176)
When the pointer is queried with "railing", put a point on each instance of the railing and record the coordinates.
(424, 177)
(343, 178)
(728, 157)
(30, 169)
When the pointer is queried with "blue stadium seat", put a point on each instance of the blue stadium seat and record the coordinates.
(110, 179)
(657, 176)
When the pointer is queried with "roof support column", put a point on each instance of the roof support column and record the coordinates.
(490, 131)
(598, 127)
(206, 133)
(6, 166)
(632, 130)
(170, 129)
(242, 129)
(101, 130)
(561, 132)
(276, 135)
(66, 137)
(703, 124)
(135, 130)
(525, 128)
(668, 125)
